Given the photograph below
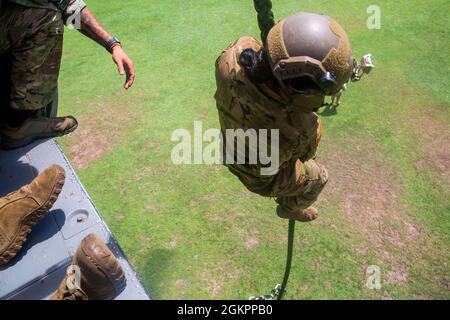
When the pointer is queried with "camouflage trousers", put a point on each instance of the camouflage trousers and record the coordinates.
(296, 186)
(30, 48)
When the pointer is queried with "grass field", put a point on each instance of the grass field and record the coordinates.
(194, 232)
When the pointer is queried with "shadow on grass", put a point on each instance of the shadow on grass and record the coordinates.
(328, 111)
(156, 266)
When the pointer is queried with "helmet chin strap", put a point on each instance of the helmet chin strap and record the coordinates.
(308, 101)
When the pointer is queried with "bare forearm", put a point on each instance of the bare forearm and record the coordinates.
(91, 28)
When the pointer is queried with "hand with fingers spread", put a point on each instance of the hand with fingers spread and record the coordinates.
(124, 65)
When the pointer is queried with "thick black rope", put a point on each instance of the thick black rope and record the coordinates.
(290, 250)
(280, 290)
(265, 17)
(266, 22)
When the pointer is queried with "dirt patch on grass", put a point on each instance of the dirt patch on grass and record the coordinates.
(181, 283)
(368, 187)
(251, 242)
(369, 191)
(153, 171)
(182, 286)
(174, 242)
(98, 133)
(219, 275)
(433, 143)
(399, 276)
(145, 173)
(204, 198)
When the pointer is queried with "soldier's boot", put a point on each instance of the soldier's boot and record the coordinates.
(36, 128)
(305, 215)
(100, 275)
(21, 210)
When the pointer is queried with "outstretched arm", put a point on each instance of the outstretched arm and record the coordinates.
(90, 27)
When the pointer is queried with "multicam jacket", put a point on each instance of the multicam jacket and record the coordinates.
(243, 104)
(67, 5)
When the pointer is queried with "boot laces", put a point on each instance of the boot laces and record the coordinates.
(74, 294)
(73, 290)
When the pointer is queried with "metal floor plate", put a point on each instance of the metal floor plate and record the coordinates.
(40, 266)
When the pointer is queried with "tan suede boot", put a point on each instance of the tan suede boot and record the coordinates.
(100, 275)
(306, 215)
(21, 210)
(36, 128)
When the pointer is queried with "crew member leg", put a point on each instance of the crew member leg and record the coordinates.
(34, 39)
(297, 187)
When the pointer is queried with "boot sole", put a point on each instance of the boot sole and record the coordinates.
(303, 219)
(30, 221)
(10, 144)
(114, 272)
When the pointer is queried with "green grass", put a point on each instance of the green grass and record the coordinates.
(185, 227)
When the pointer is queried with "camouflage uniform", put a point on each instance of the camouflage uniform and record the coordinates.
(31, 34)
(244, 105)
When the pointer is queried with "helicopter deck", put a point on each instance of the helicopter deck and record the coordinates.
(40, 266)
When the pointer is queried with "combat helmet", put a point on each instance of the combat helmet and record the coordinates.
(311, 48)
